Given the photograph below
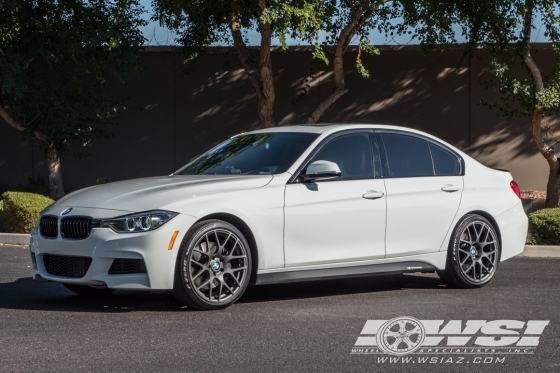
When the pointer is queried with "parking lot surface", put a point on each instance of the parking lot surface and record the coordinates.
(306, 327)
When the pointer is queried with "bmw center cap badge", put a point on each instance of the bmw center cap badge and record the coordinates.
(66, 212)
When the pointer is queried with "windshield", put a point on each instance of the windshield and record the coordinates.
(254, 154)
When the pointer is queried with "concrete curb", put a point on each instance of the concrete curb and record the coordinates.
(535, 251)
(531, 251)
(14, 239)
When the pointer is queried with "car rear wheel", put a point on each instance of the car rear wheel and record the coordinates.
(213, 266)
(88, 290)
(474, 253)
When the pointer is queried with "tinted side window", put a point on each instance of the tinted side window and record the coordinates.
(352, 153)
(407, 156)
(445, 163)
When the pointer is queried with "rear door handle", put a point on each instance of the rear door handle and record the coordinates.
(373, 194)
(450, 188)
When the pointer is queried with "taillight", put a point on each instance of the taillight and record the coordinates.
(515, 188)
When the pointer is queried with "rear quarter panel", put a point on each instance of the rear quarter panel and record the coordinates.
(487, 190)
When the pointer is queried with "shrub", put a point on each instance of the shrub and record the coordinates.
(19, 211)
(544, 227)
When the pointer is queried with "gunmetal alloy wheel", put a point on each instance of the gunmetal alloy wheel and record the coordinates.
(214, 266)
(473, 255)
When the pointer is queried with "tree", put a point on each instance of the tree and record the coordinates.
(343, 21)
(504, 27)
(55, 57)
(204, 23)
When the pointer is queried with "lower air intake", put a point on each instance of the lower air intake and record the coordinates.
(127, 267)
(66, 266)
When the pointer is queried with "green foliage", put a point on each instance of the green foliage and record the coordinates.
(56, 57)
(518, 96)
(375, 15)
(200, 24)
(365, 46)
(19, 211)
(204, 23)
(296, 18)
(544, 227)
(517, 99)
(497, 26)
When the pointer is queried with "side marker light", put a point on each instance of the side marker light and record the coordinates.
(172, 242)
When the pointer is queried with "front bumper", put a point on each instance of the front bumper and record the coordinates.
(104, 246)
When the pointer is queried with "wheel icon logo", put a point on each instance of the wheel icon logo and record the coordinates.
(401, 336)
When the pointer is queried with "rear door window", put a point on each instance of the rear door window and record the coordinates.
(407, 156)
(445, 163)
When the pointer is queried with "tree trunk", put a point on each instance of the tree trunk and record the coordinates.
(537, 119)
(359, 17)
(552, 188)
(51, 155)
(553, 185)
(339, 88)
(261, 79)
(55, 176)
(266, 104)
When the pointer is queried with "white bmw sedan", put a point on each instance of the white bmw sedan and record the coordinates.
(287, 204)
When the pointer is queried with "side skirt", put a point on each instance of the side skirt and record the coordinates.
(343, 272)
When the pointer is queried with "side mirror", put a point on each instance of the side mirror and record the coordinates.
(321, 170)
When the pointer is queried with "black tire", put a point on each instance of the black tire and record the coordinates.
(88, 290)
(473, 254)
(213, 266)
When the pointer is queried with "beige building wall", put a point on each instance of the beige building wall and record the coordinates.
(172, 117)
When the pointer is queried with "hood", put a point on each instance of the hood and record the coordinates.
(150, 193)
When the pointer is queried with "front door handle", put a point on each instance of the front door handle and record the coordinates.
(373, 194)
(450, 188)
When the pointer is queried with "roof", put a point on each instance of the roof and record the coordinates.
(324, 127)
(328, 128)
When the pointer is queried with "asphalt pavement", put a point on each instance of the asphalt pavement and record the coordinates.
(307, 327)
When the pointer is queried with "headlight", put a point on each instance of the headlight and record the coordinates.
(140, 222)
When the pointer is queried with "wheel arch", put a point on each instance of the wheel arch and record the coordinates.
(244, 228)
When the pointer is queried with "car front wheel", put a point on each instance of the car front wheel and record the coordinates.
(474, 253)
(213, 266)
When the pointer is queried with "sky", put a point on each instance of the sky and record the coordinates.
(158, 35)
